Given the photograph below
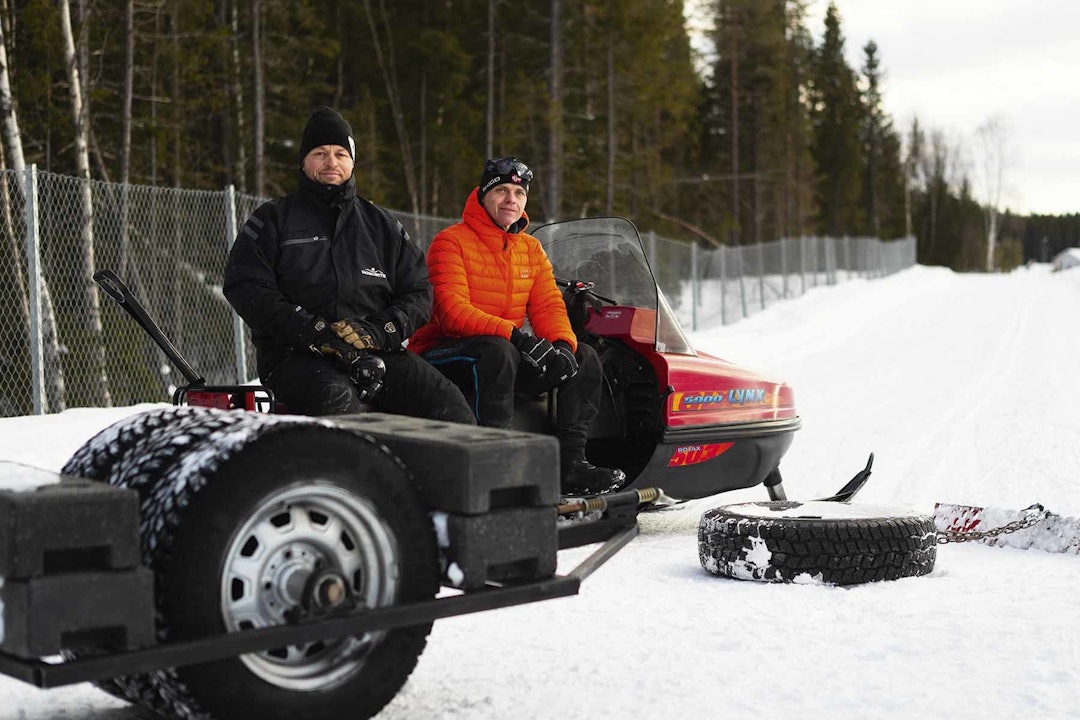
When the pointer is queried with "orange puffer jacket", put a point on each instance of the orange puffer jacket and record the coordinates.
(485, 280)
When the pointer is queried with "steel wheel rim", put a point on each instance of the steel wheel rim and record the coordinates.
(301, 530)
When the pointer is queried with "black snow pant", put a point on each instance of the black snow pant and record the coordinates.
(489, 371)
(307, 384)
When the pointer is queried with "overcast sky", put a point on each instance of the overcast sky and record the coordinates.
(957, 63)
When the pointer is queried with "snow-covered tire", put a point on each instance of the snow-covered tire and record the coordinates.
(236, 508)
(149, 439)
(826, 542)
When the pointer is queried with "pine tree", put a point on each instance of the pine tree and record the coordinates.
(755, 118)
(836, 118)
(882, 188)
(798, 170)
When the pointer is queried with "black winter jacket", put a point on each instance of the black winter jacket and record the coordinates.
(323, 252)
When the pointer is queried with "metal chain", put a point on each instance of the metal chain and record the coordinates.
(1029, 516)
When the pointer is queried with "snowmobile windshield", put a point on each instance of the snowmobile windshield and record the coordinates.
(607, 252)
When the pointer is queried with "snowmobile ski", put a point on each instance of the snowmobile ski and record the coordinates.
(853, 486)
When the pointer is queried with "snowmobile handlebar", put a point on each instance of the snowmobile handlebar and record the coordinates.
(585, 286)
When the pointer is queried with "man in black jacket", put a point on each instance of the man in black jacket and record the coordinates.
(331, 286)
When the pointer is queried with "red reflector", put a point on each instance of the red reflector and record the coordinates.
(201, 398)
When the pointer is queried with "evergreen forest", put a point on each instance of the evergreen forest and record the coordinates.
(771, 134)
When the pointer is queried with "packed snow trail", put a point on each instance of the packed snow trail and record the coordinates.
(965, 387)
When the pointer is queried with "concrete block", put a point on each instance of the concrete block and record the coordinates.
(515, 544)
(53, 523)
(39, 616)
(466, 469)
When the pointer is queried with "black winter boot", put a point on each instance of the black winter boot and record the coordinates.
(581, 477)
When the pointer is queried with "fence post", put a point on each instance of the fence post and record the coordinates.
(742, 279)
(803, 240)
(723, 283)
(832, 260)
(783, 265)
(33, 283)
(761, 273)
(239, 345)
(694, 293)
(651, 249)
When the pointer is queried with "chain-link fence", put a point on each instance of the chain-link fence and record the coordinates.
(64, 344)
(724, 285)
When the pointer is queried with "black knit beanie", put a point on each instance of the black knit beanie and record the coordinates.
(326, 127)
(504, 170)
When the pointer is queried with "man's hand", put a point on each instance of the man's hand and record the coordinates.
(563, 365)
(323, 340)
(337, 348)
(364, 369)
(356, 335)
(305, 330)
(537, 352)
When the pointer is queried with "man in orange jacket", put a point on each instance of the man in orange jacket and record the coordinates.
(487, 274)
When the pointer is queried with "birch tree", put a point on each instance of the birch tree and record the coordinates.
(89, 319)
(8, 117)
(17, 284)
(12, 276)
(238, 168)
(992, 138)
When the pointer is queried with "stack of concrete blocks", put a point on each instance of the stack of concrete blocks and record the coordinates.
(491, 494)
(70, 576)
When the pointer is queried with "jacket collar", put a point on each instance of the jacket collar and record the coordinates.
(476, 217)
(328, 195)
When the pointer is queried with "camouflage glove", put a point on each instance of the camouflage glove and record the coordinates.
(326, 342)
(356, 335)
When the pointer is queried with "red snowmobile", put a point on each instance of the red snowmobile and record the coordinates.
(670, 416)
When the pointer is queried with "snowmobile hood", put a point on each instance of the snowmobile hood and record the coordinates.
(704, 390)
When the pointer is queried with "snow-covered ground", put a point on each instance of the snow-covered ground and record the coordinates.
(966, 389)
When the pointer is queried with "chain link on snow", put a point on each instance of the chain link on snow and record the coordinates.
(1029, 517)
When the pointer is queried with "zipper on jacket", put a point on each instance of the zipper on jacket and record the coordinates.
(508, 267)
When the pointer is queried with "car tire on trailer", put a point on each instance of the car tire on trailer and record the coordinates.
(151, 439)
(827, 542)
(244, 518)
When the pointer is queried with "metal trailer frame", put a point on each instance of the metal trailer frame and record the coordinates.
(614, 529)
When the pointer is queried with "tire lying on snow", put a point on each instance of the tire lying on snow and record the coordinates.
(825, 542)
(243, 515)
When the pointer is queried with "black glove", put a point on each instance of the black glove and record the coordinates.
(535, 351)
(304, 330)
(563, 365)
